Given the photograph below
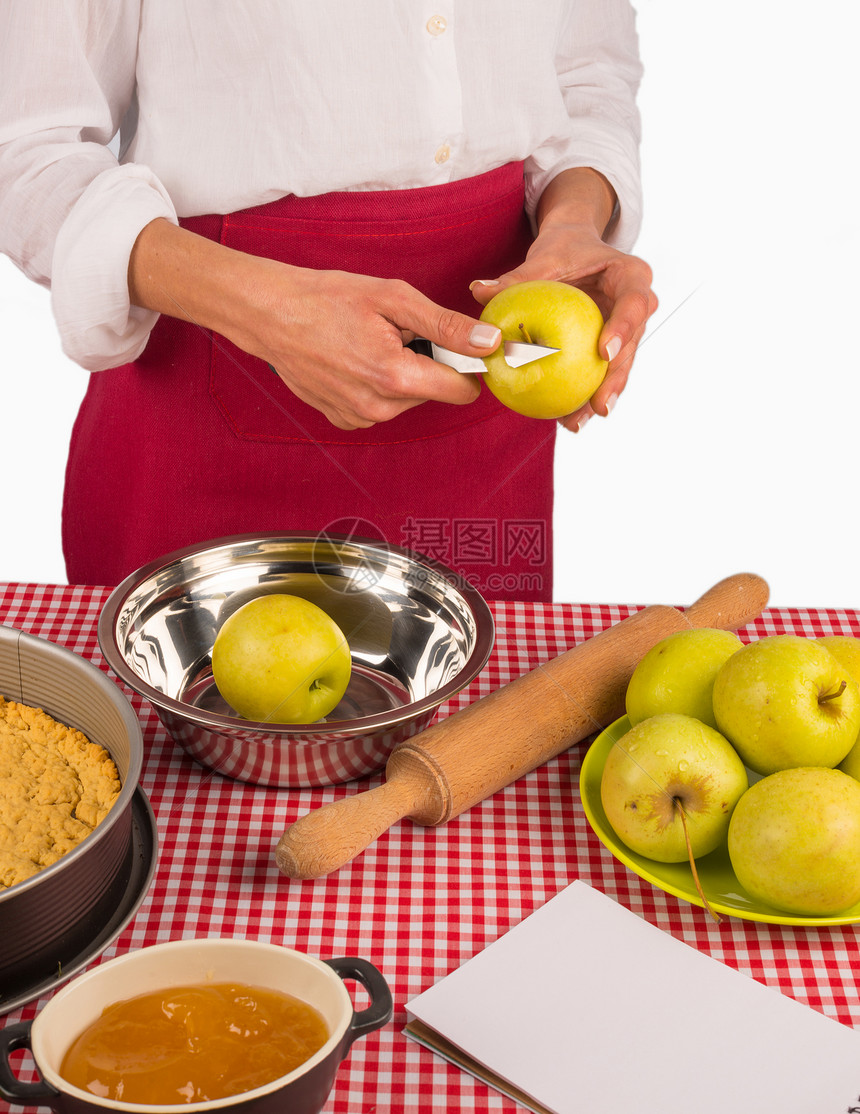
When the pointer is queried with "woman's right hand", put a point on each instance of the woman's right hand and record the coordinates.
(335, 338)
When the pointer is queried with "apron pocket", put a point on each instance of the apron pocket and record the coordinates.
(437, 239)
(258, 406)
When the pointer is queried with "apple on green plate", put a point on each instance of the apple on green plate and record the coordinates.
(719, 882)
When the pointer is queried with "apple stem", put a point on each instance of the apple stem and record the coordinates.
(833, 695)
(676, 801)
(525, 332)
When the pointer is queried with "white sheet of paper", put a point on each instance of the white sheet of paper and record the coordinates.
(586, 1007)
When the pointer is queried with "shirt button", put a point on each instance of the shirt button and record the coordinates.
(437, 24)
(443, 154)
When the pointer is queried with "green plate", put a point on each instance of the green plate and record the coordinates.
(724, 892)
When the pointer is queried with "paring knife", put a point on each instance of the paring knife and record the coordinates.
(518, 353)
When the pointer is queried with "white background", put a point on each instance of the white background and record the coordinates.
(734, 446)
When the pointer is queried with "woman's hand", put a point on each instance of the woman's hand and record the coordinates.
(569, 247)
(336, 339)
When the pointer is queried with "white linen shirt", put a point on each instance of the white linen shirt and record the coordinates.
(115, 112)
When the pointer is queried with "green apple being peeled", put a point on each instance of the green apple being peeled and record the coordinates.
(794, 841)
(281, 659)
(786, 701)
(846, 649)
(555, 315)
(677, 675)
(667, 772)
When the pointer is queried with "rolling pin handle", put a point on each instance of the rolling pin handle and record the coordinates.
(730, 604)
(331, 836)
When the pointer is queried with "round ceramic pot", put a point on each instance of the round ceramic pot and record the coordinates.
(182, 963)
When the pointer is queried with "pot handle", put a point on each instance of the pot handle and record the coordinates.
(12, 1038)
(379, 1012)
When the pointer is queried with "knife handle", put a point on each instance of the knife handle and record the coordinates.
(422, 346)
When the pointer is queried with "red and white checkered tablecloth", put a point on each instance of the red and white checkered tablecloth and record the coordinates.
(421, 901)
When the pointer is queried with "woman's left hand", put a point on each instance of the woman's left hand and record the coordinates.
(620, 284)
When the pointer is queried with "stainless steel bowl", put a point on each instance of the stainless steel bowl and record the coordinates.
(417, 632)
(53, 923)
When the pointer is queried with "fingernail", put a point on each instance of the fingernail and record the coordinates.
(483, 282)
(610, 404)
(583, 421)
(485, 336)
(613, 347)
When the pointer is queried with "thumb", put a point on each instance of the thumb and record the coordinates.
(461, 333)
(483, 290)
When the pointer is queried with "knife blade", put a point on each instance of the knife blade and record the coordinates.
(518, 353)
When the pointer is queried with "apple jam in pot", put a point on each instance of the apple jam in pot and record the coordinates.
(193, 1044)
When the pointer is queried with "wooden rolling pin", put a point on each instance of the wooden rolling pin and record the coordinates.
(444, 770)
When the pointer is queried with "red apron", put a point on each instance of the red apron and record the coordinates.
(197, 440)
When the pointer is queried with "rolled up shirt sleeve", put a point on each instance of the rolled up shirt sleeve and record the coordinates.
(98, 326)
(599, 72)
(71, 213)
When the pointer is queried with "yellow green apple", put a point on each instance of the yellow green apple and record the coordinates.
(677, 675)
(281, 659)
(667, 773)
(794, 841)
(786, 701)
(556, 315)
(846, 648)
